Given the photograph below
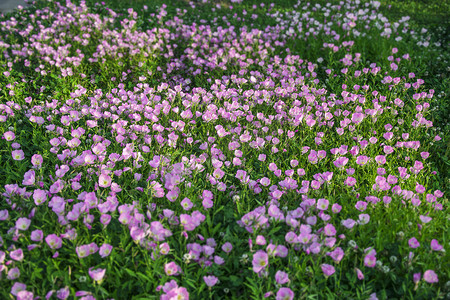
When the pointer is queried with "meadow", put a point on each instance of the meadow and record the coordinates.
(225, 149)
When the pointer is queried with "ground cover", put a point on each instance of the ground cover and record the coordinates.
(224, 150)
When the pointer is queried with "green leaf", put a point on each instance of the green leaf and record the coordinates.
(130, 272)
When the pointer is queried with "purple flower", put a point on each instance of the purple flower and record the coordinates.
(328, 270)
(430, 276)
(210, 280)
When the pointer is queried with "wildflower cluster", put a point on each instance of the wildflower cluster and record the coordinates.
(149, 153)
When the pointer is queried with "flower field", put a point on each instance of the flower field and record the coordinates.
(223, 150)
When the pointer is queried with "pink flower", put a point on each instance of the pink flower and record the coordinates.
(63, 293)
(227, 247)
(82, 251)
(413, 243)
(359, 274)
(425, 219)
(104, 180)
(186, 203)
(363, 219)
(9, 136)
(17, 254)
(53, 241)
(29, 178)
(416, 277)
(341, 162)
(97, 274)
(172, 269)
(25, 295)
(39, 196)
(18, 287)
(37, 235)
(430, 276)
(105, 250)
(328, 270)
(281, 277)
(420, 189)
(210, 280)
(322, 204)
(260, 261)
(435, 245)
(4, 214)
(370, 260)
(348, 223)
(329, 230)
(260, 240)
(23, 223)
(380, 159)
(337, 254)
(350, 181)
(357, 118)
(13, 274)
(207, 203)
(18, 154)
(336, 208)
(207, 195)
(285, 294)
